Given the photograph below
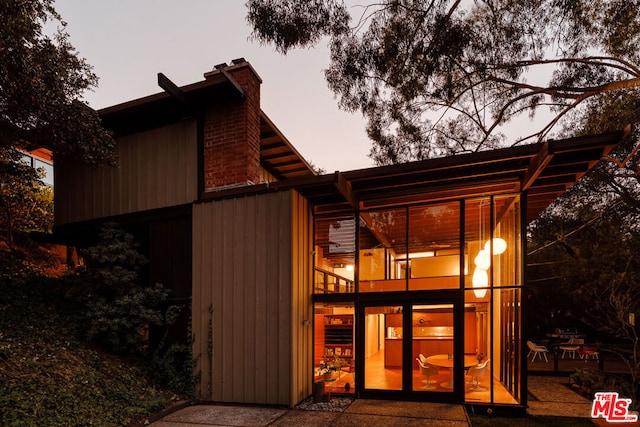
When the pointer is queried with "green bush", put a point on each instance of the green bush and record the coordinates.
(172, 364)
(120, 312)
(589, 381)
(119, 309)
(47, 375)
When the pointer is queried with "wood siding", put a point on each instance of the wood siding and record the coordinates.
(157, 169)
(251, 297)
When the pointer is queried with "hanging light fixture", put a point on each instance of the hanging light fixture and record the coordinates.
(499, 246)
(480, 280)
(482, 260)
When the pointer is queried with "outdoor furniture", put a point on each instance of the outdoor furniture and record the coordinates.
(587, 352)
(571, 347)
(537, 350)
(475, 372)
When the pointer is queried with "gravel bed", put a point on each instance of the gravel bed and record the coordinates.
(336, 404)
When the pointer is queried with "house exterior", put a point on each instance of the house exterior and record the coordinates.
(41, 159)
(293, 275)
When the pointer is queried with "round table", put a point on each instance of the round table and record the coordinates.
(446, 361)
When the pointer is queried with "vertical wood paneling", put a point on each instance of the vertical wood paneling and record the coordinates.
(301, 302)
(157, 168)
(260, 342)
(252, 360)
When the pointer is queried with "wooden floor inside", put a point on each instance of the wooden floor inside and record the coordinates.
(377, 377)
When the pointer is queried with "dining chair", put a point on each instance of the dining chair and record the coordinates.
(475, 372)
(428, 371)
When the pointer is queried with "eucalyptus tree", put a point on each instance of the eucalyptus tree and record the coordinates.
(440, 77)
(42, 79)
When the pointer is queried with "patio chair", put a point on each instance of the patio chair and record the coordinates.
(537, 350)
(475, 372)
(589, 352)
(571, 347)
(428, 371)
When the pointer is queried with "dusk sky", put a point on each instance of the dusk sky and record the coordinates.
(129, 42)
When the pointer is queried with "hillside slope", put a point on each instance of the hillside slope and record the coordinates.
(48, 377)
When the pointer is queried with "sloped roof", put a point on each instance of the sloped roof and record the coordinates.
(277, 154)
(544, 170)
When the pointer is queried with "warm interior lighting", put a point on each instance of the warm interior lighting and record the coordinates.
(349, 267)
(480, 280)
(499, 246)
(483, 260)
(412, 255)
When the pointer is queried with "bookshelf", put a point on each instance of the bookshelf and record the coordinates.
(338, 336)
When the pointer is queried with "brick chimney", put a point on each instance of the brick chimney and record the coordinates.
(232, 131)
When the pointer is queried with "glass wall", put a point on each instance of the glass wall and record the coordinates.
(492, 241)
(334, 350)
(434, 246)
(382, 241)
(414, 248)
(334, 254)
(470, 250)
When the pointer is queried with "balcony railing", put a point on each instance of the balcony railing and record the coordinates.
(326, 282)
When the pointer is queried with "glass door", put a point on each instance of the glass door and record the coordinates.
(432, 345)
(383, 347)
(410, 349)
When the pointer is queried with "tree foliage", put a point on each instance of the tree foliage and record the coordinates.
(584, 272)
(583, 265)
(120, 309)
(26, 204)
(41, 81)
(438, 77)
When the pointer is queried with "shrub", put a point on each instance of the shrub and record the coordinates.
(119, 309)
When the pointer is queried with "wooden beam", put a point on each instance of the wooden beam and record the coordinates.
(538, 164)
(177, 93)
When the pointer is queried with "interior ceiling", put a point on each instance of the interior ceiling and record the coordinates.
(431, 228)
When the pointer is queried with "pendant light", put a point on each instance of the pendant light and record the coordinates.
(480, 280)
(499, 246)
(483, 260)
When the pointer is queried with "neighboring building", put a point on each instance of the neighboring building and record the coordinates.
(289, 271)
(42, 159)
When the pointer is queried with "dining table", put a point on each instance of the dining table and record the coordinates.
(446, 361)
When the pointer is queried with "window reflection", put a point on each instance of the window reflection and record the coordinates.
(334, 255)
(383, 235)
